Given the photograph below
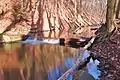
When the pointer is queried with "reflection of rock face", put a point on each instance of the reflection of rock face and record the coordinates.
(46, 57)
(51, 55)
(9, 56)
(9, 60)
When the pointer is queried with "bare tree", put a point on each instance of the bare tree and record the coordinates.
(110, 26)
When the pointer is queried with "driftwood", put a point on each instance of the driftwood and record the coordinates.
(79, 62)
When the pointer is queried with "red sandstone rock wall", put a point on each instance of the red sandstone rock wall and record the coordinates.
(18, 17)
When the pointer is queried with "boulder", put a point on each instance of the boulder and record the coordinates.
(11, 38)
(15, 34)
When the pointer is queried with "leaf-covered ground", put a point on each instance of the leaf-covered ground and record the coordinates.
(109, 55)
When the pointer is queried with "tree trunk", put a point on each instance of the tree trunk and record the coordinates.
(118, 10)
(109, 28)
(111, 14)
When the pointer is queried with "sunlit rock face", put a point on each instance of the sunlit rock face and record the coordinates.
(15, 34)
(45, 21)
(3, 25)
(6, 21)
(94, 12)
(18, 14)
(11, 25)
(7, 5)
(6, 13)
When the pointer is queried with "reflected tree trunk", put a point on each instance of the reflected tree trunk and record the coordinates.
(1, 74)
(32, 71)
(30, 64)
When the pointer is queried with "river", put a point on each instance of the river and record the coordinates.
(41, 61)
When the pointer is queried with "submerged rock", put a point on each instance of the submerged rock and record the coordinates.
(93, 69)
(11, 38)
(92, 65)
(85, 76)
(15, 34)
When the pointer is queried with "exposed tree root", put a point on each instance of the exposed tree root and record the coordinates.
(102, 34)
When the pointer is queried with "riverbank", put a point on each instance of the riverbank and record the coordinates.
(109, 56)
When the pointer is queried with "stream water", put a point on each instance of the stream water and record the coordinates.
(37, 61)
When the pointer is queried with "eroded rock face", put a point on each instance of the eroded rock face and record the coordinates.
(6, 13)
(6, 21)
(7, 5)
(15, 34)
(10, 20)
(18, 16)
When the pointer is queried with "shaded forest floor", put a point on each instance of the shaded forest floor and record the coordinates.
(109, 53)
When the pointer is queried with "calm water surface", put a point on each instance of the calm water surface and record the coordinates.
(20, 61)
(35, 62)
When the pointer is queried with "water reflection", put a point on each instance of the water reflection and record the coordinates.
(71, 42)
(20, 61)
(88, 31)
(59, 70)
(33, 40)
(34, 62)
